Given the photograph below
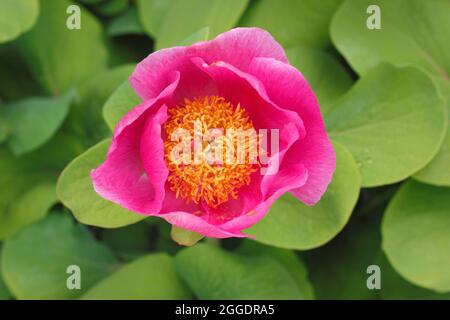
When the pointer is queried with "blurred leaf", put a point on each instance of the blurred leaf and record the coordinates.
(293, 225)
(76, 192)
(200, 35)
(393, 121)
(4, 130)
(126, 23)
(151, 14)
(119, 103)
(338, 270)
(401, 39)
(213, 273)
(437, 171)
(128, 242)
(86, 117)
(28, 182)
(290, 261)
(36, 259)
(128, 49)
(164, 241)
(16, 80)
(394, 287)
(28, 206)
(60, 58)
(34, 121)
(4, 292)
(91, 2)
(416, 237)
(17, 17)
(185, 237)
(149, 277)
(294, 22)
(112, 7)
(324, 73)
(54, 155)
(184, 18)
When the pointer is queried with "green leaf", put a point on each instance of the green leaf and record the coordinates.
(12, 66)
(28, 182)
(35, 260)
(293, 225)
(288, 258)
(393, 121)
(86, 117)
(60, 58)
(324, 73)
(213, 273)
(436, 172)
(151, 14)
(17, 17)
(4, 130)
(112, 7)
(415, 235)
(4, 292)
(401, 39)
(119, 103)
(31, 205)
(183, 18)
(126, 23)
(200, 35)
(394, 287)
(338, 270)
(149, 277)
(76, 192)
(91, 2)
(185, 237)
(162, 238)
(294, 22)
(129, 242)
(34, 121)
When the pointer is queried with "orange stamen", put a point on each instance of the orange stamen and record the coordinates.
(202, 180)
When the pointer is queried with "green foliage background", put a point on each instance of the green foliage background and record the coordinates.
(385, 97)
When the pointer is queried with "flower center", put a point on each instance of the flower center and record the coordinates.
(210, 150)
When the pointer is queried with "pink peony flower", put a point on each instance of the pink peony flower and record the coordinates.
(239, 80)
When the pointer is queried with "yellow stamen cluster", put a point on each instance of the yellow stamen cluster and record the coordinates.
(214, 183)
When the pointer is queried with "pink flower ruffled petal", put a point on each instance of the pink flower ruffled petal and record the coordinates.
(237, 47)
(287, 87)
(124, 177)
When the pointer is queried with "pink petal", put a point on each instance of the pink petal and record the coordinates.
(287, 179)
(124, 178)
(287, 88)
(152, 153)
(188, 216)
(248, 198)
(154, 73)
(191, 222)
(237, 47)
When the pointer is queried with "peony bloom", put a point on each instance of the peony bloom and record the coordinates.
(241, 80)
